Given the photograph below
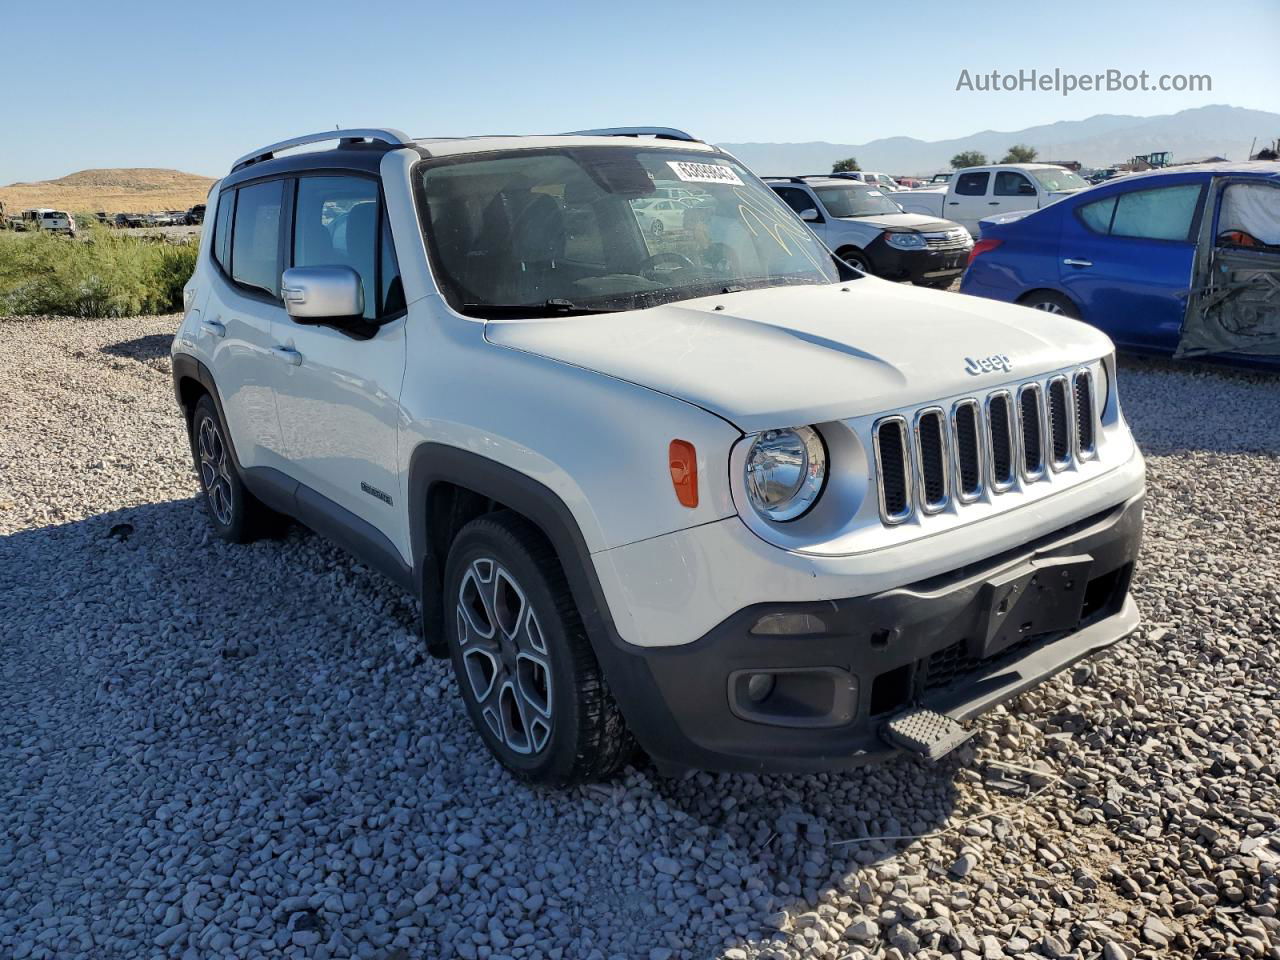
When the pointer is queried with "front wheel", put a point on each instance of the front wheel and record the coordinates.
(856, 259)
(524, 665)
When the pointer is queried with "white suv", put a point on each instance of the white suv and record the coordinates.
(712, 489)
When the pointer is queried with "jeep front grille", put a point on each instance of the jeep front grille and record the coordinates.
(1082, 384)
(1059, 424)
(967, 427)
(1031, 434)
(934, 457)
(926, 461)
(893, 467)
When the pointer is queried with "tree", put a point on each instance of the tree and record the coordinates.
(847, 165)
(970, 158)
(1020, 153)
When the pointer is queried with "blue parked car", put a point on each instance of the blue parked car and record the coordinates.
(1182, 261)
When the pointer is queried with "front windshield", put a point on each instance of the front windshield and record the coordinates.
(607, 228)
(1054, 179)
(855, 201)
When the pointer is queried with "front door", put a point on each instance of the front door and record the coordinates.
(339, 398)
(1128, 258)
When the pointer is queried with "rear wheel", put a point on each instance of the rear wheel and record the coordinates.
(237, 515)
(525, 668)
(656, 229)
(1050, 302)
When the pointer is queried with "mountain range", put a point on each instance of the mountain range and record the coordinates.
(1098, 141)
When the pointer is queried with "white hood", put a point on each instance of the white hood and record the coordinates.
(788, 356)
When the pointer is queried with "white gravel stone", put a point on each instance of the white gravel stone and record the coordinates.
(241, 751)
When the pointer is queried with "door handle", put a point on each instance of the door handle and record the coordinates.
(953, 203)
(1072, 262)
(288, 355)
(213, 327)
(993, 203)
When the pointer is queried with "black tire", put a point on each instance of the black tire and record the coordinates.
(236, 514)
(1050, 302)
(581, 735)
(935, 284)
(857, 259)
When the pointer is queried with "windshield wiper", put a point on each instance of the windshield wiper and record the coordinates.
(555, 307)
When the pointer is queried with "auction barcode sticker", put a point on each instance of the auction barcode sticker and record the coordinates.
(691, 172)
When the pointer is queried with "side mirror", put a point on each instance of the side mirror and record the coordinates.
(809, 216)
(1026, 190)
(315, 294)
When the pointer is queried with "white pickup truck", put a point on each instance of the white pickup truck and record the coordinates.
(976, 193)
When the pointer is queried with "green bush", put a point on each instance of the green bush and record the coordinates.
(99, 274)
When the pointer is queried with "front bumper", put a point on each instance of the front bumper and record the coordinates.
(917, 266)
(865, 658)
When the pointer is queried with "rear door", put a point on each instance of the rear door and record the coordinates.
(967, 199)
(1127, 258)
(339, 399)
(238, 327)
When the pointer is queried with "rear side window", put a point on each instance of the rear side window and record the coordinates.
(222, 230)
(255, 241)
(972, 184)
(336, 224)
(1164, 213)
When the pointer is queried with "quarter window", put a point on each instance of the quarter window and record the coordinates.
(336, 224)
(222, 230)
(255, 242)
(972, 184)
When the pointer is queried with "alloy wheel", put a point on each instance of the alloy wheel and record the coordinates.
(215, 471)
(504, 656)
(1048, 306)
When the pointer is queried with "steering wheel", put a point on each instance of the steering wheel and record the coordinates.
(677, 261)
(721, 259)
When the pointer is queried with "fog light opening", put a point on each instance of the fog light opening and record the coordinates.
(760, 686)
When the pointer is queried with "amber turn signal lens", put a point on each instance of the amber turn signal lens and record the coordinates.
(683, 461)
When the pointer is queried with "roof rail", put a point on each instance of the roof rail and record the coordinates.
(661, 133)
(788, 179)
(385, 135)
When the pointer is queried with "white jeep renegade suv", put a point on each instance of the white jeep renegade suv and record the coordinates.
(708, 488)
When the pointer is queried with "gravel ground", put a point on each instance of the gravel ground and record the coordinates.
(216, 751)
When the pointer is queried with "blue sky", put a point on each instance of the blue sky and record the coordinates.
(186, 85)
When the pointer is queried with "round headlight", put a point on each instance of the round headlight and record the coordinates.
(785, 472)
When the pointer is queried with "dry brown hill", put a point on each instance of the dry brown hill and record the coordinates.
(125, 189)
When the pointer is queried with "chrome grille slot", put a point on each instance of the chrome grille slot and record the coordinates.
(966, 429)
(1003, 444)
(1059, 424)
(893, 466)
(1031, 431)
(932, 457)
(1082, 384)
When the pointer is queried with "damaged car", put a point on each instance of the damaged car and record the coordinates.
(1182, 261)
